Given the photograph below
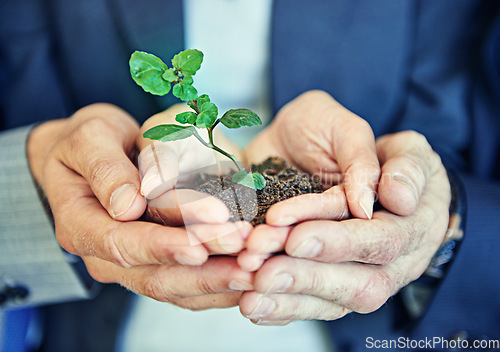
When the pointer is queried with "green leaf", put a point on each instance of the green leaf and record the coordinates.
(204, 98)
(188, 61)
(238, 176)
(251, 180)
(187, 80)
(258, 180)
(186, 117)
(167, 133)
(147, 71)
(198, 102)
(207, 116)
(236, 118)
(184, 91)
(170, 76)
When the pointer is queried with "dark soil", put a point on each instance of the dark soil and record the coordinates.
(282, 182)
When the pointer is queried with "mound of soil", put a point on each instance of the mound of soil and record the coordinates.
(282, 182)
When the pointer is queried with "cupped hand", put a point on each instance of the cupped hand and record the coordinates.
(84, 165)
(335, 267)
(319, 136)
(169, 169)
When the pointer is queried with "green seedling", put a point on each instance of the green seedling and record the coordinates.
(155, 77)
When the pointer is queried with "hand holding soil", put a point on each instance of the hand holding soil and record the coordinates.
(341, 256)
(335, 267)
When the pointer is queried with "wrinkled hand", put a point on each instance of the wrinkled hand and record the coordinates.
(335, 267)
(84, 165)
(319, 136)
(167, 168)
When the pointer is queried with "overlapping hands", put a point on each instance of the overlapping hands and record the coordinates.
(319, 256)
(333, 265)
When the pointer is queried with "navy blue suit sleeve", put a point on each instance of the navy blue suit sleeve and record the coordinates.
(465, 301)
(467, 298)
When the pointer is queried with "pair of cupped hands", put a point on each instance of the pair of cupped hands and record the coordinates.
(320, 256)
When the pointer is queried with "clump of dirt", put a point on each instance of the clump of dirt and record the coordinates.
(282, 182)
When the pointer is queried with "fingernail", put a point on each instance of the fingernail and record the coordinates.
(265, 306)
(151, 180)
(244, 229)
(285, 221)
(253, 262)
(366, 202)
(238, 285)
(281, 283)
(271, 247)
(187, 260)
(122, 198)
(404, 180)
(263, 322)
(309, 249)
(229, 244)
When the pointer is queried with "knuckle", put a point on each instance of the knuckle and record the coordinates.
(315, 283)
(83, 131)
(316, 94)
(359, 172)
(155, 288)
(362, 124)
(204, 287)
(116, 253)
(190, 304)
(98, 275)
(69, 234)
(100, 171)
(423, 153)
(368, 168)
(63, 238)
(416, 137)
(373, 294)
(160, 253)
(87, 244)
(334, 313)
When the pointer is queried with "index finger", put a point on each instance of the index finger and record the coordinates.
(83, 227)
(178, 282)
(378, 241)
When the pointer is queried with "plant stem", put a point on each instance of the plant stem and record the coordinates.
(208, 145)
(195, 106)
(210, 135)
(212, 146)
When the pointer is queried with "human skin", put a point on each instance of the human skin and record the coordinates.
(161, 263)
(357, 240)
(84, 165)
(336, 266)
(358, 263)
(359, 163)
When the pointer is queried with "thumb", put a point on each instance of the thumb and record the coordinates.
(408, 163)
(97, 148)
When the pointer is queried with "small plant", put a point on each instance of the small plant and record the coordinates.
(155, 77)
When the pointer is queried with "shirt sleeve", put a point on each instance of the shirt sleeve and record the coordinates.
(34, 269)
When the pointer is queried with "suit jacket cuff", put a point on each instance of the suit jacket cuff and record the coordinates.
(31, 260)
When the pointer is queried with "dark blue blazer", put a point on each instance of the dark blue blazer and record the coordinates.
(426, 65)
